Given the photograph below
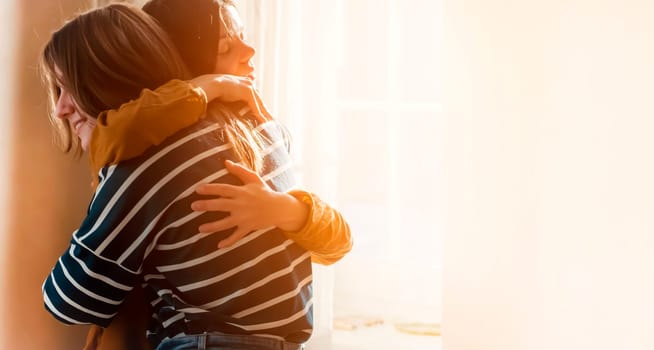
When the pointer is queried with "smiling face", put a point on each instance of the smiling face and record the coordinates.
(234, 51)
(98, 61)
(67, 110)
(80, 123)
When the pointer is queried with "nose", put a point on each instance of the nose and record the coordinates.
(64, 107)
(248, 50)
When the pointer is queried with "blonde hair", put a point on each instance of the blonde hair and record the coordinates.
(107, 56)
(104, 58)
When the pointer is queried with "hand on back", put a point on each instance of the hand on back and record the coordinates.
(252, 206)
(232, 88)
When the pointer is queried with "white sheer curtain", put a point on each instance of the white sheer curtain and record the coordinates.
(276, 30)
(356, 82)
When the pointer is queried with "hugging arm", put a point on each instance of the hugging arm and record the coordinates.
(128, 131)
(303, 216)
(87, 285)
(124, 133)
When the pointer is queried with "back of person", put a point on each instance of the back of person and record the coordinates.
(260, 286)
(140, 228)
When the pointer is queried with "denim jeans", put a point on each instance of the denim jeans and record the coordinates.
(220, 341)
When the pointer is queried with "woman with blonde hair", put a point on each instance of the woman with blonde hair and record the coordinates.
(140, 228)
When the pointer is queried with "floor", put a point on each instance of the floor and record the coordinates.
(382, 337)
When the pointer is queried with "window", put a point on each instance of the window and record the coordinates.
(388, 106)
(358, 82)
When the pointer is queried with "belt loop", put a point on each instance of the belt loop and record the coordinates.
(202, 341)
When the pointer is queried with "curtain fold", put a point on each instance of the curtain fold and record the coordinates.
(356, 82)
(275, 28)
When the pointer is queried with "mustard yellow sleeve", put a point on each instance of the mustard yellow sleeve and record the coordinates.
(128, 131)
(326, 235)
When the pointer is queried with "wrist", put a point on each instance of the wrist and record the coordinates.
(210, 85)
(212, 88)
(294, 215)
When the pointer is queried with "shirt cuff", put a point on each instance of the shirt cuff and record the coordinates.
(306, 198)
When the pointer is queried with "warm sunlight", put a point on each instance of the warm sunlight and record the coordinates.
(493, 161)
(360, 87)
(7, 50)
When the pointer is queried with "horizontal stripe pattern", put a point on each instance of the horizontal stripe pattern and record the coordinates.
(140, 230)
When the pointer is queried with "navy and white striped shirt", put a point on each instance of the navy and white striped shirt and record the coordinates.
(140, 229)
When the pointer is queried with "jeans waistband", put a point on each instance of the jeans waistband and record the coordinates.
(221, 341)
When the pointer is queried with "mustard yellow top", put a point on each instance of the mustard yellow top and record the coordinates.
(325, 234)
(119, 135)
(135, 126)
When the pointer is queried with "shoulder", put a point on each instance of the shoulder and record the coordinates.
(188, 142)
(163, 171)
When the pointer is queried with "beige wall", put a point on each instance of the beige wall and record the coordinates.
(550, 210)
(7, 57)
(46, 192)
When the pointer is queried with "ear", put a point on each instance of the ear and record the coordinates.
(223, 45)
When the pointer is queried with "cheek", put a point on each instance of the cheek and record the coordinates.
(85, 134)
(90, 124)
(87, 128)
(227, 63)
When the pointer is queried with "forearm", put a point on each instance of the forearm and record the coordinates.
(73, 293)
(232, 88)
(211, 85)
(293, 212)
(325, 233)
(302, 216)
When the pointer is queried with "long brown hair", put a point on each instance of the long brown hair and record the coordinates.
(195, 27)
(107, 56)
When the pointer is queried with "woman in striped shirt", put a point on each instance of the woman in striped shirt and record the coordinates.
(140, 229)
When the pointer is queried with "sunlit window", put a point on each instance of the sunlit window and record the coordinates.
(358, 82)
(389, 110)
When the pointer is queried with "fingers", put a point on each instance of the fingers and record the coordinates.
(223, 190)
(233, 238)
(217, 226)
(222, 225)
(218, 204)
(234, 78)
(226, 87)
(233, 88)
(245, 174)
